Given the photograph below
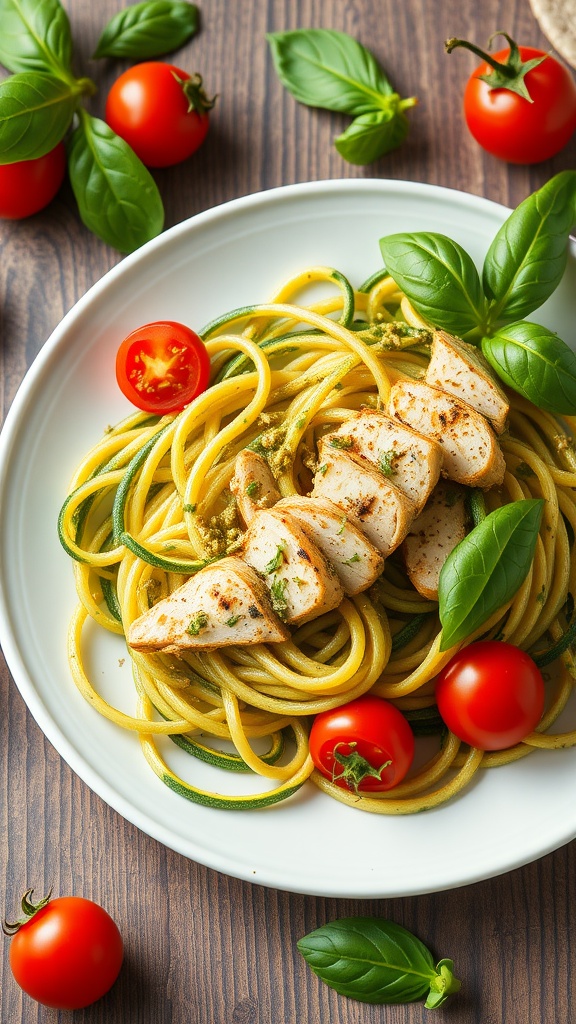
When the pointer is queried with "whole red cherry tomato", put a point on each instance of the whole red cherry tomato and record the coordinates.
(162, 366)
(520, 103)
(160, 111)
(491, 695)
(29, 185)
(67, 953)
(365, 745)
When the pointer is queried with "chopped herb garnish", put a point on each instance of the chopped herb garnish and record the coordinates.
(353, 558)
(190, 508)
(299, 582)
(338, 385)
(275, 563)
(252, 489)
(196, 624)
(278, 595)
(323, 469)
(301, 422)
(523, 470)
(232, 620)
(386, 462)
(343, 523)
(337, 441)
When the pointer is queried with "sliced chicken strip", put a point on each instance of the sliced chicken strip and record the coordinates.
(462, 371)
(366, 496)
(432, 536)
(411, 460)
(302, 583)
(253, 484)
(225, 603)
(472, 454)
(355, 559)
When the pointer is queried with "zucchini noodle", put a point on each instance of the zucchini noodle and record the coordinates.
(151, 504)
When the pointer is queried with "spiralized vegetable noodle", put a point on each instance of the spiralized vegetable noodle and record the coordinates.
(283, 374)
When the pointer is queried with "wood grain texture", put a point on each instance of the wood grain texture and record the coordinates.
(202, 948)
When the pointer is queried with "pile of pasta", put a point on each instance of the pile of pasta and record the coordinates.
(151, 504)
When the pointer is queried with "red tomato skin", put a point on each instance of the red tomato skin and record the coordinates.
(147, 107)
(491, 695)
(193, 369)
(68, 954)
(29, 185)
(512, 128)
(381, 733)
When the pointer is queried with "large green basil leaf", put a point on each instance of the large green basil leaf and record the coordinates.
(117, 196)
(148, 29)
(35, 36)
(36, 110)
(536, 363)
(376, 961)
(485, 570)
(528, 255)
(329, 69)
(372, 135)
(439, 278)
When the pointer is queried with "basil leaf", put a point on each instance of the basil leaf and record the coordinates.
(485, 570)
(35, 36)
(117, 197)
(376, 961)
(439, 278)
(35, 112)
(536, 363)
(329, 69)
(527, 258)
(371, 135)
(148, 29)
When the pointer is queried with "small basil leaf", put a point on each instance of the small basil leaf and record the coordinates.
(485, 570)
(439, 278)
(329, 69)
(35, 36)
(375, 961)
(536, 363)
(148, 29)
(527, 258)
(371, 135)
(117, 197)
(36, 110)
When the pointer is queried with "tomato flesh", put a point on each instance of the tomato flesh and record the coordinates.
(162, 366)
(29, 185)
(368, 728)
(491, 695)
(68, 954)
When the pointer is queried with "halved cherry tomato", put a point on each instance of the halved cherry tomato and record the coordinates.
(67, 953)
(365, 745)
(29, 185)
(162, 366)
(491, 695)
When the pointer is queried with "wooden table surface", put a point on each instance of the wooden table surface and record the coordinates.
(203, 948)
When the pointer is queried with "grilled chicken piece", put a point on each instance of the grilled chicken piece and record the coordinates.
(472, 454)
(302, 583)
(225, 603)
(253, 484)
(462, 371)
(433, 535)
(411, 460)
(355, 559)
(365, 495)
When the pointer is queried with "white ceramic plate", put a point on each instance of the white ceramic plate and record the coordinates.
(237, 254)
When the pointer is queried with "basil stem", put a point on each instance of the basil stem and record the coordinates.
(527, 258)
(35, 36)
(536, 363)
(148, 29)
(36, 110)
(485, 570)
(377, 961)
(117, 196)
(439, 278)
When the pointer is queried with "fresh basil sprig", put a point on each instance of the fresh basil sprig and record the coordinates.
(35, 36)
(117, 197)
(36, 110)
(485, 570)
(148, 29)
(377, 961)
(329, 69)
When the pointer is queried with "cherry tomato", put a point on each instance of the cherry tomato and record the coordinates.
(29, 185)
(162, 366)
(365, 745)
(160, 111)
(522, 129)
(67, 954)
(491, 695)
